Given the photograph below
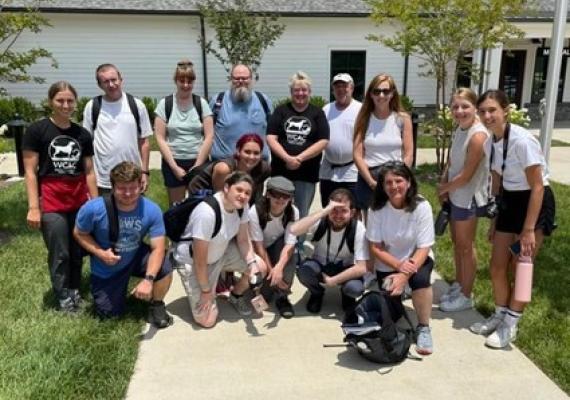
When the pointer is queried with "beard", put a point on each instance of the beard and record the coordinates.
(241, 94)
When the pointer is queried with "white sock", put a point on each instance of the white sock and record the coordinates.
(512, 318)
(500, 311)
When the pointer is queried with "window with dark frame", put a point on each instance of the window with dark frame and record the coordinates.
(539, 76)
(351, 62)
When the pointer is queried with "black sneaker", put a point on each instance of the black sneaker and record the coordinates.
(315, 303)
(158, 316)
(284, 307)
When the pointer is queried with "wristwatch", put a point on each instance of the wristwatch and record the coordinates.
(149, 278)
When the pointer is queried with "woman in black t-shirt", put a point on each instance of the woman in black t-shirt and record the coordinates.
(297, 134)
(59, 178)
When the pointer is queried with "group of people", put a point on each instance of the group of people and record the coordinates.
(257, 169)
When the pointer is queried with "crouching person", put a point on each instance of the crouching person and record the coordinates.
(270, 228)
(208, 253)
(341, 251)
(112, 264)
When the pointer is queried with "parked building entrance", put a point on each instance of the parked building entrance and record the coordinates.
(512, 74)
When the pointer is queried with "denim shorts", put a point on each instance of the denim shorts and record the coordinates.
(170, 180)
(109, 294)
(463, 214)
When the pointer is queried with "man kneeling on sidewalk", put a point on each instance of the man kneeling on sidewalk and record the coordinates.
(112, 264)
(341, 251)
(208, 253)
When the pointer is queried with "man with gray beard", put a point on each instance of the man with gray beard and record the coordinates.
(238, 111)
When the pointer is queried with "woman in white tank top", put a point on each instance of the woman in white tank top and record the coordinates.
(382, 132)
(465, 184)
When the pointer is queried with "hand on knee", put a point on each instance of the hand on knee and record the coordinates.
(207, 319)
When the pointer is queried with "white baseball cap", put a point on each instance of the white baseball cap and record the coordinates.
(343, 77)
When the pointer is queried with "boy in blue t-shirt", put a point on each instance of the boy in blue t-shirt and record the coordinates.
(111, 268)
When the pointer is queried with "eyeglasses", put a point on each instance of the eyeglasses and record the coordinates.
(278, 195)
(377, 92)
(113, 81)
(240, 79)
(185, 64)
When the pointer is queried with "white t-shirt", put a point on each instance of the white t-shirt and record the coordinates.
(201, 226)
(115, 138)
(273, 230)
(348, 259)
(339, 148)
(523, 151)
(402, 232)
(383, 140)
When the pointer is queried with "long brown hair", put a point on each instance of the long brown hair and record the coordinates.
(367, 108)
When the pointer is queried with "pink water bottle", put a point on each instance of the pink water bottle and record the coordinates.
(523, 279)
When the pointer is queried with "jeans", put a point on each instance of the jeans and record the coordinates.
(65, 256)
(274, 253)
(304, 194)
(309, 273)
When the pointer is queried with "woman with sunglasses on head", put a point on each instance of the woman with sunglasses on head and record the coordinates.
(466, 186)
(184, 131)
(382, 132)
(400, 232)
(247, 158)
(270, 231)
(526, 211)
(59, 178)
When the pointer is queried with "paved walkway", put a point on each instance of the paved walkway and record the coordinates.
(269, 357)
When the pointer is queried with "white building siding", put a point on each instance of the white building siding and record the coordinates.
(145, 49)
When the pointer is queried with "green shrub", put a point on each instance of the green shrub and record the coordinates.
(150, 104)
(9, 107)
(317, 101)
(7, 110)
(407, 103)
(519, 116)
(80, 107)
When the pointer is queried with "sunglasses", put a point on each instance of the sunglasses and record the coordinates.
(278, 195)
(377, 92)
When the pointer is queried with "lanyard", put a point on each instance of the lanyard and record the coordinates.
(505, 148)
(342, 240)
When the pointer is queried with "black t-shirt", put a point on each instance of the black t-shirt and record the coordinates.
(296, 131)
(61, 151)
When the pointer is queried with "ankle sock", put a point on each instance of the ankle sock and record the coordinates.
(512, 317)
(501, 310)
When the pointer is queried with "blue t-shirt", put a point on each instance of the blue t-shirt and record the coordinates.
(235, 119)
(134, 225)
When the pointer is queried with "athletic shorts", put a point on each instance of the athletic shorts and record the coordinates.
(419, 280)
(170, 180)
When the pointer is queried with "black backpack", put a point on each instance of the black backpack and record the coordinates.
(176, 217)
(371, 328)
(96, 110)
(169, 104)
(220, 100)
(324, 225)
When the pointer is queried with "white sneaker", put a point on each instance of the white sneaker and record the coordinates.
(458, 303)
(452, 292)
(488, 325)
(503, 335)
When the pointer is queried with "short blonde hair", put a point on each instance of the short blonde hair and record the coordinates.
(300, 77)
(465, 94)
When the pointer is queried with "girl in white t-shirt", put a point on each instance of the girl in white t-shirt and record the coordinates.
(400, 232)
(270, 231)
(382, 132)
(526, 211)
(465, 185)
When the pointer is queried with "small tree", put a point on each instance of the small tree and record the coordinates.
(438, 32)
(14, 64)
(242, 35)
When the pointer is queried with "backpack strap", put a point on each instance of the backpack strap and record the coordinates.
(321, 230)
(262, 221)
(135, 112)
(168, 105)
(212, 202)
(95, 111)
(350, 235)
(112, 219)
(197, 100)
(218, 106)
(264, 105)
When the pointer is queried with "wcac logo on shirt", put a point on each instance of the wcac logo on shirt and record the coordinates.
(64, 152)
(297, 129)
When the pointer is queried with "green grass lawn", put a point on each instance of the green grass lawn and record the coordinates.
(45, 355)
(544, 330)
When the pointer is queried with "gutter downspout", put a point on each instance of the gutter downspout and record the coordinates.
(204, 60)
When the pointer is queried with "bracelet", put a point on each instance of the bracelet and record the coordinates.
(146, 172)
(204, 288)
(206, 291)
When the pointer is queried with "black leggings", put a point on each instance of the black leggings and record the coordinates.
(419, 280)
